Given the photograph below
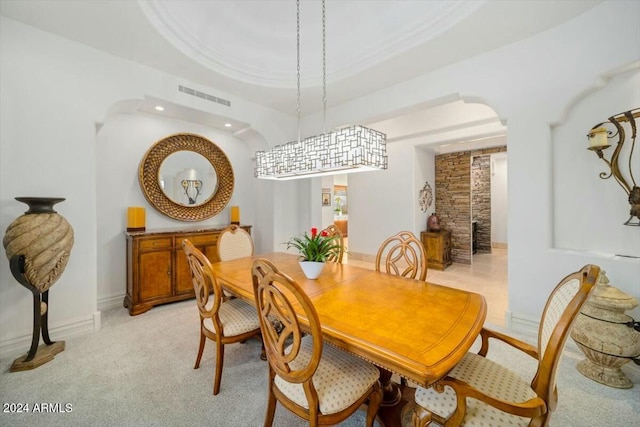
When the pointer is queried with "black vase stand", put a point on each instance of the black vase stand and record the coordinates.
(38, 354)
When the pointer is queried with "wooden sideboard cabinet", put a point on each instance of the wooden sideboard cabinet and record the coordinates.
(438, 247)
(157, 268)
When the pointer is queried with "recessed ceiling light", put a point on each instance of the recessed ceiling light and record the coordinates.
(227, 125)
(159, 108)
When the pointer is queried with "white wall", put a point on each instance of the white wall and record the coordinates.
(381, 203)
(604, 205)
(391, 197)
(425, 171)
(327, 183)
(118, 187)
(54, 94)
(499, 198)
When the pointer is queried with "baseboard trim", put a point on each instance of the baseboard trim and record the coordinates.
(498, 245)
(361, 256)
(20, 345)
(110, 302)
(522, 323)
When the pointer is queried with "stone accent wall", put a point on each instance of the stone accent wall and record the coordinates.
(481, 200)
(453, 198)
(453, 204)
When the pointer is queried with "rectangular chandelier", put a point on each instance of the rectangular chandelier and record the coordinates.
(348, 150)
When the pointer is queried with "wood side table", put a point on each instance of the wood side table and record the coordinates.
(437, 244)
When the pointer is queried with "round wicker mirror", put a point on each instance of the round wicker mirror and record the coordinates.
(151, 181)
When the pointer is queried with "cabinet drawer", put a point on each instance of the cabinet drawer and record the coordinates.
(198, 240)
(165, 242)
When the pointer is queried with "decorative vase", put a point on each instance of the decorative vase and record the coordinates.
(37, 245)
(433, 222)
(43, 237)
(606, 335)
(312, 269)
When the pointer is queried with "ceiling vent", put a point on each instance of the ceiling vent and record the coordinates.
(203, 95)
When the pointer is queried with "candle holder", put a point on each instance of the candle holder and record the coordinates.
(136, 218)
(235, 215)
(599, 137)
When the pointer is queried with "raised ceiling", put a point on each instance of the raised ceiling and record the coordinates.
(249, 47)
(255, 41)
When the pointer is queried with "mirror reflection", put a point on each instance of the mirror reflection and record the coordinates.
(187, 178)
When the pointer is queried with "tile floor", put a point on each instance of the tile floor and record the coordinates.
(487, 275)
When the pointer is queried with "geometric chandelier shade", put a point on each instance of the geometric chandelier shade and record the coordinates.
(352, 149)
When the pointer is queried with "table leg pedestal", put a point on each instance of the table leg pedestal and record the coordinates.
(399, 414)
(391, 393)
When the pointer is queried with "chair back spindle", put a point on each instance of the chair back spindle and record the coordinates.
(222, 320)
(275, 294)
(338, 254)
(209, 295)
(402, 255)
(320, 383)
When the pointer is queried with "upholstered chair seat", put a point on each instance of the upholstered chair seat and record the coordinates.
(236, 316)
(492, 380)
(339, 380)
(481, 392)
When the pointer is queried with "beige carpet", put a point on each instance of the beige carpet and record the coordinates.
(138, 371)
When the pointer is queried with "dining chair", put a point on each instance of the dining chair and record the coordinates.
(316, 381)
(222, 320)
(403, 255)
(482, 392)
(337, 255)
(234, 242)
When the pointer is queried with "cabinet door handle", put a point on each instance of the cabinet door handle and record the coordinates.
(169, 272)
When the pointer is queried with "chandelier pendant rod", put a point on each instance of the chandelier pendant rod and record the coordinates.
(350, 149)
(324, 72)
(298, 61)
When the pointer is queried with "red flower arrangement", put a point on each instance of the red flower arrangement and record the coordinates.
(315, 247)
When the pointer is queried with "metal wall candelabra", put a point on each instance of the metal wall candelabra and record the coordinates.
(604, 135)
(191, 189)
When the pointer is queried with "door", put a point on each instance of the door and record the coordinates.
(155, 274)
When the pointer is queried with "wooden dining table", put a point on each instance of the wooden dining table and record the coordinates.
(415, 329)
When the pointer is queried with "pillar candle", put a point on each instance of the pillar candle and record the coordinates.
(135, 218)
(598, 138)
(235, 215)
